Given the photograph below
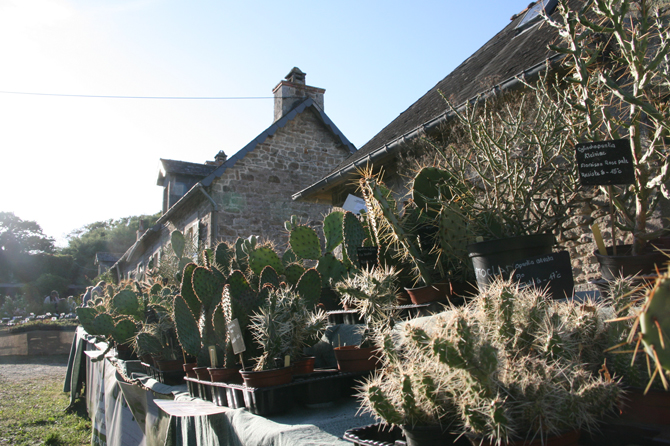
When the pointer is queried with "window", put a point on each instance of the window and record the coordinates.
(534, 14)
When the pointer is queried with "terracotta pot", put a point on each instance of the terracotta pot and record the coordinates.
(352, 358)
(436, 292)
(188, 368)
(170, 365)
(267, 378)
(202, 373)
(652, 408)
(304, 366)
(566, 439)
(229, 375)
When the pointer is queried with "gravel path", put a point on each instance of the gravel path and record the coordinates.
(21, 368)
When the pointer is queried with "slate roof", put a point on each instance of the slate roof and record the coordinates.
(183, 168)
(494, 66)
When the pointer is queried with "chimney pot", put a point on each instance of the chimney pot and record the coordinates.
(220, 158)
(292, 91)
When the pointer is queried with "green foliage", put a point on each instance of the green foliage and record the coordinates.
(19, 236)
(48, 282)
(114, 236)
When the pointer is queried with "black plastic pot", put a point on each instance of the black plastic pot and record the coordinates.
(497, 257)
(625, 264)
(430, 435)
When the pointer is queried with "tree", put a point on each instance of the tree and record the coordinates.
(103, 236)
(19, 236)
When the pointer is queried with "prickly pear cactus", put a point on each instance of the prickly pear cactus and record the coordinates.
(126, 302)
(223, 256)
(331, 269)
(264, 256)
(305, 242)
(354, 234)
(186, 325)
(124, 331)
(205, 285)
(86, 315)
(187, 292)
(332, 230)
(309, 287)
(293, 273)
(289, 257)
(655, 323)
(103, 325)
(269, 276)
(178, 243)
(431, 185)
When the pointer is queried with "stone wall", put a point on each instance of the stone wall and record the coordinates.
(255, 194)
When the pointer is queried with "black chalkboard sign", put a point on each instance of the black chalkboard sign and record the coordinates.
(605, 163)
(549, 270)
(367, 256)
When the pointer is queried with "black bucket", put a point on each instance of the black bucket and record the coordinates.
(495, 258)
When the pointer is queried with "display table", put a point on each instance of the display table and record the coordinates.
(129, 408)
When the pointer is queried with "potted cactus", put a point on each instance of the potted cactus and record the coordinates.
(509, 367)
(373, 294)
(283, 327)
(400, 234)
(209, 300)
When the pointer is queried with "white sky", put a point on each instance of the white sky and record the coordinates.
(66, 162)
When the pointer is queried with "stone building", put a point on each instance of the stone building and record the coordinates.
(249, 192)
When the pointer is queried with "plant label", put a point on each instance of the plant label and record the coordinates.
(605, 163)
(552, 271)
(367, 256)
(236, 338)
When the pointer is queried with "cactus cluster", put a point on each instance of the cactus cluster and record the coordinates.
(513, 364)
(392, 230)
(339, 229)
(115, 317)
(284, 325)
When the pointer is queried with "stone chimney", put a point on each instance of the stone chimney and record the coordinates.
(220, 158)
(140, 229)
(292, 91)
